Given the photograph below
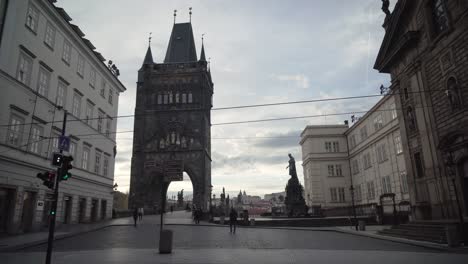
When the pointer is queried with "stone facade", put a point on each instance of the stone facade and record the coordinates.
(46, 63)
(173, 121)
(425, 50)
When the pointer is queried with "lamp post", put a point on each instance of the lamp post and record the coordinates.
(211, 206)
(351, 189)
(451, 172)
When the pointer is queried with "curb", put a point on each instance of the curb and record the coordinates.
(59, 237)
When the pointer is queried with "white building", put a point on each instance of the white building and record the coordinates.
(46, 62)
(374, 164)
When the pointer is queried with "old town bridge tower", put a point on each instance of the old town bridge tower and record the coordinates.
(172, 121)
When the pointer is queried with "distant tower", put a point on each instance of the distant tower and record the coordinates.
(172, 120)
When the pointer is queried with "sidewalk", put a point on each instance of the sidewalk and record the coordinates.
(14, 242)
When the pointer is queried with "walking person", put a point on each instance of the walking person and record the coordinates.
(135, 216)
(232, 220)
(172, 209)
(140, 213)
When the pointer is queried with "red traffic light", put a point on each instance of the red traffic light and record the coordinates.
(48, 179)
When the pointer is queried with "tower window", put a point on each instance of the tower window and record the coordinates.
(184, 98)
(159, 99)
(190, 99)
(453, 93)
(177, 98)
(439, 16)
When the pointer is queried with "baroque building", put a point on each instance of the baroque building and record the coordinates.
(425, 52)
(47, 66)
(172, 121)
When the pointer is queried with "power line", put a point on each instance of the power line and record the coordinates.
(228, 108)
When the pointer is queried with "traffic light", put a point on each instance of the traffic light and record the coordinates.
(48, 179)
(66, 166)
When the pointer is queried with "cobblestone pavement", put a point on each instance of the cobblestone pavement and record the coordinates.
(214, 244)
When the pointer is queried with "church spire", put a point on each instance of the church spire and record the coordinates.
(202, 54)
(149, 56)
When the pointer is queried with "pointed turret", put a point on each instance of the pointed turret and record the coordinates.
(202, 54)
(181, 46)
(148, 57)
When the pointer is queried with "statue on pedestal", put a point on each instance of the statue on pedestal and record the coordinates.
(295, 203)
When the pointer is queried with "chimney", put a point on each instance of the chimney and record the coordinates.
(346, 122)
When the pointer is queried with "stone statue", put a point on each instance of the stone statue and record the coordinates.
(294, 201)
(385, 6)
(292, 166)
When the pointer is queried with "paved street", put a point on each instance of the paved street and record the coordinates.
(214, 244)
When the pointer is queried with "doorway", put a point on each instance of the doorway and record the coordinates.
(28, 211)
(82, 210)
(94, 207)
(6, 202)
(103, 209)
(67, 206)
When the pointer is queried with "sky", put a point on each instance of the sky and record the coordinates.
(261, 52)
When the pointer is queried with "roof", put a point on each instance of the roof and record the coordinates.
(181, 46)
(148, 57)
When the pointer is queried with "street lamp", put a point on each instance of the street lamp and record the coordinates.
(351, 189)
(211, 207)
(451, 172)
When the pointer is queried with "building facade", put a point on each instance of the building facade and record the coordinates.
(368, 156)
(425, 52)
(173, 122)
(46, 67)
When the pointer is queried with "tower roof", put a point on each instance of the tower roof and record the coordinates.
(181, 46)
(202, 53)
(148, 57)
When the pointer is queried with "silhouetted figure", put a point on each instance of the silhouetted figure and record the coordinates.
(198, 214)
(232, 220)
(135, 216)
(172, 209)
(140, 214)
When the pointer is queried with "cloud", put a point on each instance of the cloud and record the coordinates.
(300, 80)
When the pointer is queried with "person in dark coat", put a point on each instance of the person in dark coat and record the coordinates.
(135, 216)
(232, 220)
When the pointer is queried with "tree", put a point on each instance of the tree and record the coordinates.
(120, 200)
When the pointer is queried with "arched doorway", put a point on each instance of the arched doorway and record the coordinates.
(180, 194)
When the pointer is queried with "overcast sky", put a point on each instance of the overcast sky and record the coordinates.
(261, 52)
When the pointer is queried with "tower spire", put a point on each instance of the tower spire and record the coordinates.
(202, 53)
(175, 14)
(149, 56)
(190, 14)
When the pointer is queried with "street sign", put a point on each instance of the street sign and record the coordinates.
(173, 170)
(64, 143)
(40, 205)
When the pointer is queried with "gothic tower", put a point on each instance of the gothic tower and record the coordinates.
(172, 121)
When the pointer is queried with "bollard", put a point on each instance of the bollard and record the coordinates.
(221, 219)
(165, 242)
(252, 221)
(451, 233)
(362, 225)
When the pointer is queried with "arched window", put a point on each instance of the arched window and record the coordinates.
(439, 16)
(184, 98)
(453, 93)
(159, 99)
(166, 97)
(170, 97)
(190, 99)
(177, 98)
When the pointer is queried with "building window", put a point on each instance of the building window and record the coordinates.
(102, 92)
(55, 142)
(61, 94)
(331, 171)
(76, 107)
(339, 171)
(159, 99)
(15, 130)
(381, 153)
(100, 120)
(97, 163)
(66, 54)
(419, 165)
(367, 160)
(404, 182)
(36, 138)
(32, 18)
(355, 166)
(110, 97)
(169, 94)
(23, 73)
(177, 98)
(370, 190)
(352, 141)
(80, 66)
(43, 82)
(398, 145)
(190, 99)
(184, 98)
(358, 192)
(363, 132)
(394, 111)
(89, 113)
(453, 93)
(105, 169)
(328, 146)
(439, 16)
(334, 195)
(49, 38)
(341, 195)
(411, 118)
(405, 93)
(378, 122)
(108, 125)
(92, 78)
(85, 158)
(336, 146)
(72, 149)
(386, 185)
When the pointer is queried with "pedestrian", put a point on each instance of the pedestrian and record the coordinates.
(232, 220)
(140, 213)
(172, 209)
(135, 216)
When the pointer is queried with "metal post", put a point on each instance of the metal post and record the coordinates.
(53, 212)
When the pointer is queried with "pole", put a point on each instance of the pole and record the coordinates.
(460, 212)
(53, 212)
(354, 207)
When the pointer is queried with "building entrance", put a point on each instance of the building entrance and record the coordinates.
(28, 211)
(67, 206)
(6, 198)
(82, 210)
